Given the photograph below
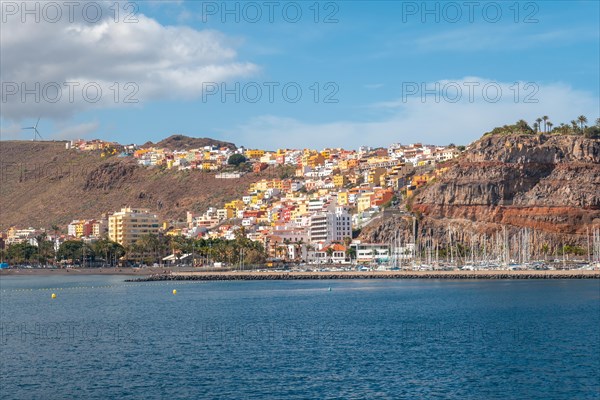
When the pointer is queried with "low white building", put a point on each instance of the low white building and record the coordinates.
(371, 252)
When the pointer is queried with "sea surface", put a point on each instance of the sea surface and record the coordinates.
(102, 338)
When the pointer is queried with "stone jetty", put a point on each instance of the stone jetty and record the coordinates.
(267, 276)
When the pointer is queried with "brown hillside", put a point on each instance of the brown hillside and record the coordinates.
(42, 183)
(181, 142)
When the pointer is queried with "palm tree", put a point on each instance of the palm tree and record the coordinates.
(564, 129)
(539, 123)
(550, 125)
(329, 254)
(149, 244)
(545, 118)
(598, 122)
(280, 251)
(298, 248)
(45, 248)
(582, 120)
(55, 228)
(286, 243)
(536, 127)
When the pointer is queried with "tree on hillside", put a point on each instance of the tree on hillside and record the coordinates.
(519, 128)
(592, 132)
(545, 118)
(574, 126)
(539, 124)
(582, 120)
(236, 159)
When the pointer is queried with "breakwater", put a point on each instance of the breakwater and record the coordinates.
(265, 276)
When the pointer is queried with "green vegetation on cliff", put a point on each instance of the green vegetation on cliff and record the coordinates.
(544, 125)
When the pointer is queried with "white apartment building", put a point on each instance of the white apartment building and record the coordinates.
(331, 226)
(316, 205)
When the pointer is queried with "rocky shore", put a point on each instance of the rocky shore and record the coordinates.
(267, 276)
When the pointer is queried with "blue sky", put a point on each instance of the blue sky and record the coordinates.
(374, 59)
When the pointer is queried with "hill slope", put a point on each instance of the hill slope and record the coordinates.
(181, 142)
(42, 183)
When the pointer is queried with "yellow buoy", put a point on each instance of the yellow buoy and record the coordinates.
(174, 291)
(53, 295)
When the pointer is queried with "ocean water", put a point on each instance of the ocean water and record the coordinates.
(103, 338)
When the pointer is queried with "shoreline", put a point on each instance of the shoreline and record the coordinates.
(176, 274)
(83, 271)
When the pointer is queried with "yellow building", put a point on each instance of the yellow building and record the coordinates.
(383, 179)
(301, 209)
(375, 175)
(234, 205)
(128, 225)
(420, 180)
(364, 201)
(340, 180)
(262, 185)
(312, 159)
(254, 153)
(278, 184)
(225, 213)
(174, 232)
(315, 160)
(342, 198)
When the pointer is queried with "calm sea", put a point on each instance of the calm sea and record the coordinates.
(102, 338)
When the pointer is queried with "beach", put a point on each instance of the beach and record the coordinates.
(82, 271)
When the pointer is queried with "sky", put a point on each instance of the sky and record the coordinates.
(295, 74)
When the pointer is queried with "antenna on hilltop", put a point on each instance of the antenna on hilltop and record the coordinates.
(36, 133)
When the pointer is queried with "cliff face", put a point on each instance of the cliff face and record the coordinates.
(550, 184)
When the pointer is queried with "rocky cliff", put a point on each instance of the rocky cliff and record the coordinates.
(549, 184)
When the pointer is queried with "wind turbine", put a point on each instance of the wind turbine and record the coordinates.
(36, 133)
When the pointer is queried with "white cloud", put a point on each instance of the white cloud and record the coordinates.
(14, 132)
(80, 131)
(500, 37)
(414, 120)
(160, 61)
